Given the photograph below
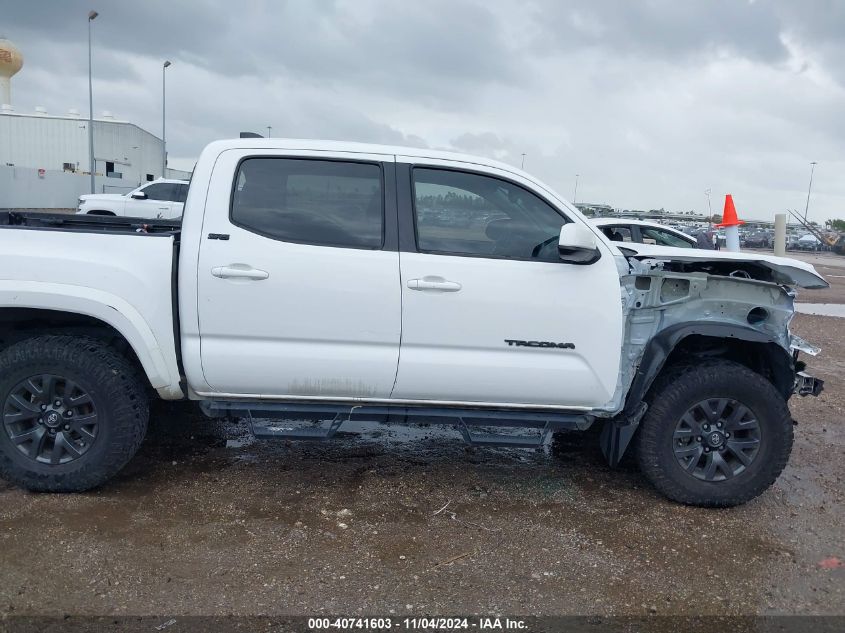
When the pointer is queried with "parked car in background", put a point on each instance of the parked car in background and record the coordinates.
(792, 241)
(161, 199)
(757, 239)
(808, 242)
(643, 232)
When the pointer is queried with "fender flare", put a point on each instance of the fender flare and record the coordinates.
(664, 342)
(105, 307)
(617, 433)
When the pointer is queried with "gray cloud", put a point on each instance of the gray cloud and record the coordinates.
(664, 28)
(651, 102)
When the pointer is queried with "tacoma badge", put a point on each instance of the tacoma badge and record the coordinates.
(514, 343)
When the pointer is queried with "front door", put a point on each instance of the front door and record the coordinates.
(298, 286)
(490, 314)
(157, 203)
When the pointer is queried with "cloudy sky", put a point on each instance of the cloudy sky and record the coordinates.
(651, 102)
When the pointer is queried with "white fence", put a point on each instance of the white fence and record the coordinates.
(25, 188)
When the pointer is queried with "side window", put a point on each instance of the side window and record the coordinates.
(461, 213)
(159, 191)
(617, 233)
(321, 202)
(663, 238)
(181, 193)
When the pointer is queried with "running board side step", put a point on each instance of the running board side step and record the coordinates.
(321, 422)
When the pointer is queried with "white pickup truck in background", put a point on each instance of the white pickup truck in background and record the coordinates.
(159, 199)
(333, 281)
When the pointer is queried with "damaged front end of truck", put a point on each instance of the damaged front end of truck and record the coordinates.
(683, 308)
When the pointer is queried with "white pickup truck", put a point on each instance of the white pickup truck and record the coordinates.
(158, 199)
(318, 282)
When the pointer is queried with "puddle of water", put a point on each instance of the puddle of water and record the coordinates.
(821, 309)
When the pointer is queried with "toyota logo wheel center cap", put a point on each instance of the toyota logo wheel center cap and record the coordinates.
(715, 439)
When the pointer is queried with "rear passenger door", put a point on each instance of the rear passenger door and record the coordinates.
(298, 276)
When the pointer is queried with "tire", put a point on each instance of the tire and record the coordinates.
(82, 442)
(676, 456)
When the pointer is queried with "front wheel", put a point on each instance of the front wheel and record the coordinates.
(74, 413)
(715, 434)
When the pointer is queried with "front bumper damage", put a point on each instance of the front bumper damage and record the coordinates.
(805, 384)
(664, 303)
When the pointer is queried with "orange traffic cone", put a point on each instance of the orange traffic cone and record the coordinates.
(729, 216)
(730, 223)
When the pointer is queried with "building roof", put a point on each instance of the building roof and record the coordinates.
(106, 117)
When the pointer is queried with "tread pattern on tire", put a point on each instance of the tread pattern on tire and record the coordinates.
(671, 392)
(128, 408)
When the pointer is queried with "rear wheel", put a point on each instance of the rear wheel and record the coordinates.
(716, 434)
(74, 413)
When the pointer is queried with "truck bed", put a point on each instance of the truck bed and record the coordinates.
(119, 271)
(88, 223)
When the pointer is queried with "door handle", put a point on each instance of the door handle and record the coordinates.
(239, 271)
(434, 283)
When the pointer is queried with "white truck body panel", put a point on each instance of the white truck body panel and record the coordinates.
(453, 342)
(789, 271)
(325, 321)
(123, 280)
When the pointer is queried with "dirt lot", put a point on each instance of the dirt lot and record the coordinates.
(204, 521)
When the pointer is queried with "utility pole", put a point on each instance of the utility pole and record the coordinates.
(163, 137)
(575, 195)
(92, 15)
(809, 189)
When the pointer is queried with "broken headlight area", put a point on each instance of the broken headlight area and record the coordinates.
(807, 385)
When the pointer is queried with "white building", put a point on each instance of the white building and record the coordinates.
(123, 151)
(44, 158)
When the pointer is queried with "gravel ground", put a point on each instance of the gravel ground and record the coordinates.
(205, 521)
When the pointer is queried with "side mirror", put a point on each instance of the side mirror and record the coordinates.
(577, 245)
(139, 195)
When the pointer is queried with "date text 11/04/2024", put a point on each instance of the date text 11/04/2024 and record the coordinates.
(417, 623)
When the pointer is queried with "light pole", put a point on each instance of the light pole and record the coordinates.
(522, 165)
(575, 195)
(269, 129)
(709, 208)
(809, 189)
(163, 137)
(92, 15)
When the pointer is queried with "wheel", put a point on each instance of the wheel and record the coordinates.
(74, 413)
(715, 434)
